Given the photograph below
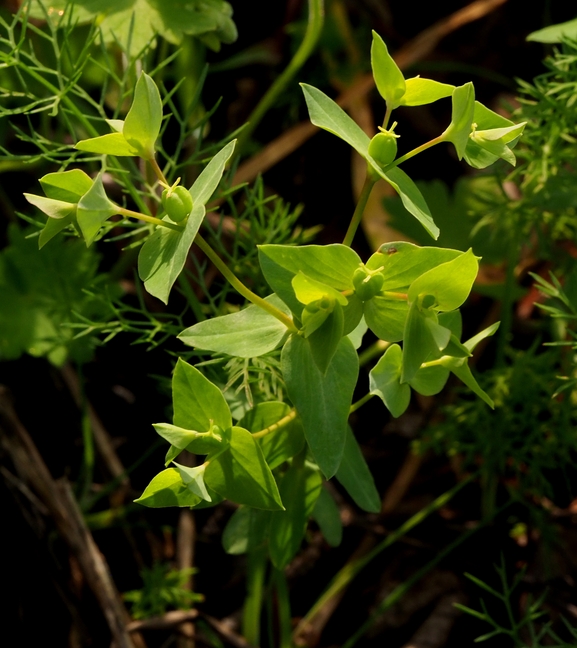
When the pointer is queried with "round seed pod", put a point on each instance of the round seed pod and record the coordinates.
(367, 285)
(383, 147)
(177, 203)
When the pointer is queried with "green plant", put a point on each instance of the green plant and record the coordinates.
(271, 459)
(162, 589)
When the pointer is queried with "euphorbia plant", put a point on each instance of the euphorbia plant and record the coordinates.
(272, 462)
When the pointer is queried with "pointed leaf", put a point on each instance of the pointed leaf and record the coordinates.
(461, 369)
(53, 227)
(235, 537)
(57, 209)
(326, 114)
(325, 339)
(299, 489)
(308, 290)
(163, 255)
(110, 144)
(195, 442)
(388, 77)
(485, 119)
(450, 283)
(462, 117)
(327, 515)
(356, 478)
(322, 401)
(385, 381)
(249, 333)
(194, 480)
(485, 333)
(418, 343)
(167, 489)
(419, 91)
(93, 210)
(242, 475)
(208, 181)
(555, 33)
(410, 195)
(197, 403)
(386, 317)
(143, 121)
(278, 445)
(69, 186)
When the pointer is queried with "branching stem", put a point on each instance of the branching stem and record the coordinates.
(149, 219)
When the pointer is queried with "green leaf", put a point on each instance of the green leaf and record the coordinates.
(242, 475)
(410, 196)
(463, 110)
(325, 339)
(418, 342)
(143, 121)
(555, 33)
(484, 119)
(249, 333)
(403, 262)
(386, 317)
(207, 182)
(461, 369)
(246, 530)
(332, 265)
(197, 403)
(69, 186)
(495, 141)
(322, 401)
(109, 144)
(195, 442)
(308, 290)
(450, 283)
(389, 79)
(385, 381)
(357, 334)
(164, 253)
(356, 478)
(485, 333)
(299, 488)
(53, 227)
(94, 209)
(277, 446)
(194, 480)
(327, 515)
(419, 92)
(429, 381)
(326, 114)
(168, 489)
(56, 209)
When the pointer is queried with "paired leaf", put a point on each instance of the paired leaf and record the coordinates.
(168, 489)
(241, 474)
(385, 381)
(94, 209)
(195, 442)
(322, 401)
(69, 186)
(419, 92)
(142, 124)
(249, 333)
(194, 480)
(109, 144)
(356, 478)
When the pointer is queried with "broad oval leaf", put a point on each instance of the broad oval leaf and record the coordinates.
(322, 401)
(197, 403)
(168, 489)
(429, 381)
(56, 209)
(450, 283)
(249, 333)
(385, 381)
(207, 182)
(420, 92)
(242, 475)
(386, 317)
(69, 186)
(109, 144)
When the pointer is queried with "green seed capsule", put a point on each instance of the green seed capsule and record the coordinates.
(177, 203)
(383, 147)
(367, 285)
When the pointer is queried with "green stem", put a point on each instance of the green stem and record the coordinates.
(360, 402)
(375, 350)
(149, 219)
(237, 284)
(415, 151)
(283, 609)
(359, 209)
(387, 117)
(256, 568)
(352, 568)
(279, 425)
(397, 594)
(314, 28)
(157, 170)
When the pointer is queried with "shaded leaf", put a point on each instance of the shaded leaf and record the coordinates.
(327, 515)
(356, 478)
(385, 381)
(167, 489)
